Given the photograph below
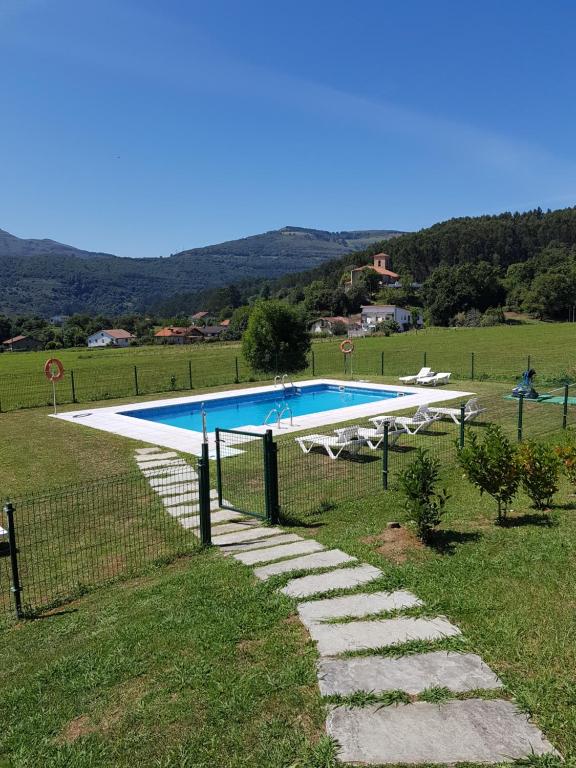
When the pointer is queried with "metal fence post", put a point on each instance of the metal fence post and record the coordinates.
(271, 478)
(424, 360)
(382, 364)
(16, 589)
(73, 385)
(520, 417)
(237, 374)
(472, 365)
(204, 496)
(218, 467)
(529, 361)
(136, 380)
(385, 457)
(565, 409)
(190, 374)
(462, 415)
(313, 363)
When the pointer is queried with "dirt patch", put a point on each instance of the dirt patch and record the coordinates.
(396, 544)
(128, 693)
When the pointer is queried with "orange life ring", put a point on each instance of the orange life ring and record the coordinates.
(346, 346)
(50, 373)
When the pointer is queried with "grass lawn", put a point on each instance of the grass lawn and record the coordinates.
(500, 354)
(198, 665)
(193, 665)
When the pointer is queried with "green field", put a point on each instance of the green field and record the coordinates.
(495, 354)
(196, 664)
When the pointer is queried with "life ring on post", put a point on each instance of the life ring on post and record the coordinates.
(346, 347)
(53, 369)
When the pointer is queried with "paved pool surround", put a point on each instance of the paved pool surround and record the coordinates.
(117, 418)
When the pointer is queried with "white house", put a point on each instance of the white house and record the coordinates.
(326, 324)
(113, 337)
(379, 313)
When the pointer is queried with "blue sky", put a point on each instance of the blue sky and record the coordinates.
(142, 127)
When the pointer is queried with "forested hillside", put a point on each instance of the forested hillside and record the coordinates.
(524, 261)
(48, 278)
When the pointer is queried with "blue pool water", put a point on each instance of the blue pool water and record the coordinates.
(252, 408)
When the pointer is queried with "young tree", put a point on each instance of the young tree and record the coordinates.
(276, 339)
(492, 466)
(424, 503)
(540, 467)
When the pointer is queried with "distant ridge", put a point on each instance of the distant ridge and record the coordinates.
(48, 278)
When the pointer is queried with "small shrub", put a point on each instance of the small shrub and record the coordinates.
(540, 467)
(567, 456)
(423, 503)
(492, 466)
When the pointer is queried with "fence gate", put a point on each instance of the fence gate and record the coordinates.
(247, 473)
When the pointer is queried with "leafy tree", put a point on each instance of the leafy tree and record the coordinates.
(540, 467)
(449, 290)
(423, 502)
(339, 328)
(238, 323)
(5, 328)
(567, 455)
(492, 466)
(276, 339)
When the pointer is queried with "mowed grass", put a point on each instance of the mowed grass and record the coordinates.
(194, 665)
(200, 665)
(500, 353)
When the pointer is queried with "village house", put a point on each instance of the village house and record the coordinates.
(179, 335)
(22, 344)
(375, 314)
(327, 324)
(380, 266)
(112, 337)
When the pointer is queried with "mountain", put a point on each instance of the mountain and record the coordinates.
(47, 278)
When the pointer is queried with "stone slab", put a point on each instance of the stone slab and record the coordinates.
(218, 530)
(259, 533)
(190, 509)
(176, 488)
(161, 463)
(184, 498)
(276, 553)
(150, 460)
(412, 674)
(345, 578)
(355, 605)
(329, 559)
(471, 731)
(145, 451)
(217, 517)
(161, 483)
(173, 469)
(333, 639)
(286, 538)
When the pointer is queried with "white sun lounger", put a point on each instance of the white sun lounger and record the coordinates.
(412, 424)
(471, 410)
(433, 381)
(347, 440)
(421, 373)
(374, 437)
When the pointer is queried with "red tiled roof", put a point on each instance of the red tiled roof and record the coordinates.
(118, 333)
(15, 339)
(199, 315)
(226, 322)
(379, 270)
(172, 331)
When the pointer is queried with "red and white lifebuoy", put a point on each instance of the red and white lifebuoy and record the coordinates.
(53, 369)
(346, 347)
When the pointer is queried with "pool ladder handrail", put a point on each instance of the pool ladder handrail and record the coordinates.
(281, 380)
(279, 413)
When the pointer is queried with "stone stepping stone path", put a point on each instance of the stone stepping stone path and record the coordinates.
(176, 484)
(474, 731)
(456, 730)
(412, 674)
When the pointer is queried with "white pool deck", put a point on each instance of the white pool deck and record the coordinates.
(113, 418)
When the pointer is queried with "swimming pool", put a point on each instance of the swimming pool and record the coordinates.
(325, 402)
(253, 408)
